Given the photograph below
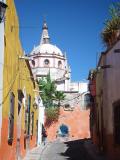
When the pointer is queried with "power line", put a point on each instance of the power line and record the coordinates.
(9, 89)
(8, 83)
(75, 98)
(26, 27)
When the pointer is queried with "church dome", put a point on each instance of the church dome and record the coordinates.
(45, 46)
(48, 49)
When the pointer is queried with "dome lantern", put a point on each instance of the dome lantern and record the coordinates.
(45, 39)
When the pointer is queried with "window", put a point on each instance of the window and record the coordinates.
(116, 111)
(32, 124)
(20, 98)
(117, 50)
(67, 107)
(59, 64)
(36, 131)
(27, 116)
(46, 62)
(11, 119)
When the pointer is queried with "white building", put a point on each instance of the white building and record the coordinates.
(49, 58)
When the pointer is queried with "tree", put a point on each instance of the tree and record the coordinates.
(49, 95)
(59, 96)
(111, 32)
(48, 88)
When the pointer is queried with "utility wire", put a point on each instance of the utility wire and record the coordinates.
(9, 89)
(26, 27)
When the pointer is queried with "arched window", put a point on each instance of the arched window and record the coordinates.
(59, 64)
(46, 62)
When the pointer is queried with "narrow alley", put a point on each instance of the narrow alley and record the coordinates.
(59, 80)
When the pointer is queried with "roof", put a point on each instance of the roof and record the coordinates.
(47, 49)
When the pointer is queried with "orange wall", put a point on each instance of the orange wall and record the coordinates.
(7, 151)
(77, 122)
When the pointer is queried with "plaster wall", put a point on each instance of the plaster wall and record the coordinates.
(112, 92)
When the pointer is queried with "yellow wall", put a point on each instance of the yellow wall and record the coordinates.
(16, 71)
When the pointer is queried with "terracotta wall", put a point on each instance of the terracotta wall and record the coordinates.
(77, 122)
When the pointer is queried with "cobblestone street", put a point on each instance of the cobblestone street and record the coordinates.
(72, 150)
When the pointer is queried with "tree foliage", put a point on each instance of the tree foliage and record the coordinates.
(50, 96)
(59, 96)
(111, 32)
(48, 88)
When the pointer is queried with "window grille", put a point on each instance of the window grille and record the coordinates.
(32, 124)
(28, 114)
(11, 119)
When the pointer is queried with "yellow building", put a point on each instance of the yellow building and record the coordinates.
(19, 116)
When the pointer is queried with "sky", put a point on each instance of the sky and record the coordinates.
(75, 27)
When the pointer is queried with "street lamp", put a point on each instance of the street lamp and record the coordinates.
(3, 7)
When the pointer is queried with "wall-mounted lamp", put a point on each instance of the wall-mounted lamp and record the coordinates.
(27, 58)
(3, 7)
(36, 102)
(35, 105)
